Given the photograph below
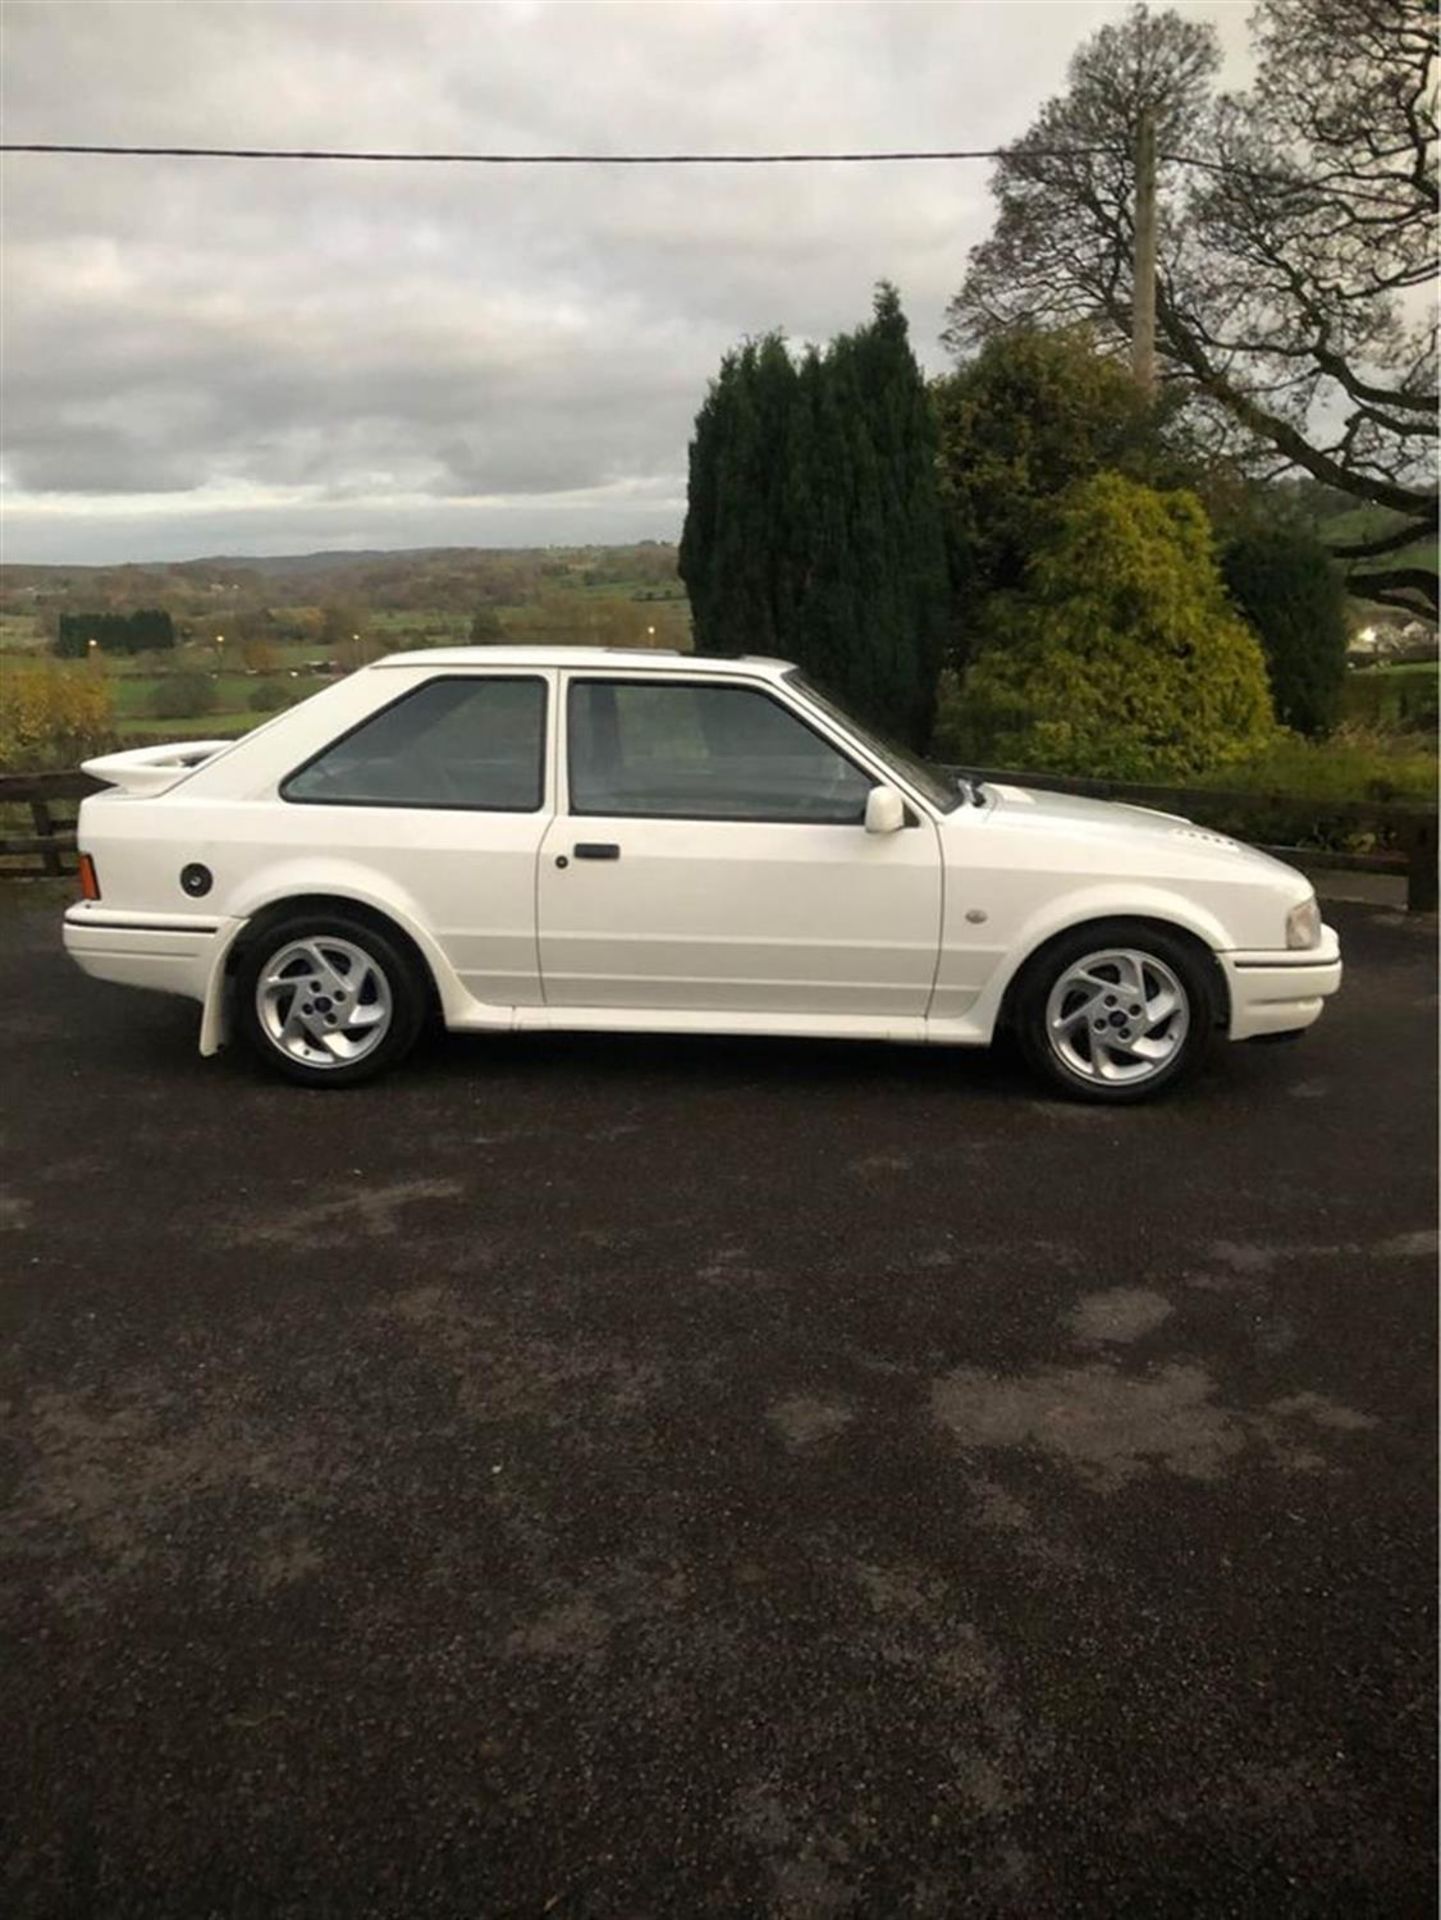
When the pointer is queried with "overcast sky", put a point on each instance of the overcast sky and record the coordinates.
(261, 357)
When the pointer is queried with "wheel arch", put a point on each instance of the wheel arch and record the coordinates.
(443, 989)
(1204, 952)
(384, 922)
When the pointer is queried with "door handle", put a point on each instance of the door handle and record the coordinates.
(597, 850)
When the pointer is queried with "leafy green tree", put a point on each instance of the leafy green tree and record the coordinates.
(1289, 258)
(1290, 590)
(344, 636)
(487, 629)
(1120, 656)
(813, 526)
(259, 652)
(1032, 413)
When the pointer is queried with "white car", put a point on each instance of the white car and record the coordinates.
(535, 838)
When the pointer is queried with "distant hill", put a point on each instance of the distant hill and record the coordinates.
(446, 579)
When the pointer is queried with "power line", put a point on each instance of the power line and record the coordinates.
(1293, 183)
(537, 159)
(1017, 154)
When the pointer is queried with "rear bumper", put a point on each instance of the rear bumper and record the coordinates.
(171, 953)
(1280, 992)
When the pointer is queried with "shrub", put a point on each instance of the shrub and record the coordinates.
(269, 697)
(1305, 788)
(487, 629)
(53, 716)
(1120, 656)
(1355, 764)
(1288, 588)
(179, 695)
(1033, 413)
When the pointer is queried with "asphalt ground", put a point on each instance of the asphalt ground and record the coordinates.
(623, 1477)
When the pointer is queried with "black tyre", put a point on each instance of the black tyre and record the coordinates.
(328, 1000)
(1117, 1011)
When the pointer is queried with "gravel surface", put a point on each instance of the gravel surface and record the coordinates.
(619, 1477)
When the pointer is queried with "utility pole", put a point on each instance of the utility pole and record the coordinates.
(1143, 295)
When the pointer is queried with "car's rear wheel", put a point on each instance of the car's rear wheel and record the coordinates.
(328, 1000)
(1116, 1012)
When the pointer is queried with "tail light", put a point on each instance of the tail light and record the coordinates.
(89, 879)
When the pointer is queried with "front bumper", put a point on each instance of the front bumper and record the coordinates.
(172, 953)
(1281, 991)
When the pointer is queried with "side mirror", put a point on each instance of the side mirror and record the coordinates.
(885, 810)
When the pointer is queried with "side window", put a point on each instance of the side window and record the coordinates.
(705, 753)
(468, 742)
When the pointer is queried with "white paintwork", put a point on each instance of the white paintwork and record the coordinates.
(885, 810)
(731, 916)
(910, 932)
(151, 769)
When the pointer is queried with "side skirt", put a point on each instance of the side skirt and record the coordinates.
(819, 1026)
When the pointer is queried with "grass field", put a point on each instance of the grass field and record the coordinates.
(599, 616)
(135, 694)
(21, 632)
(433, 628)
(208, 726)
(1401, 696)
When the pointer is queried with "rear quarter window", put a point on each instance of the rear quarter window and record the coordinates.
(474, 742)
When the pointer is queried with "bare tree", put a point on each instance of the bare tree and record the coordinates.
(1298, 232)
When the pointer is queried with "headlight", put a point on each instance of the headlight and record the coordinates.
(1303, 924)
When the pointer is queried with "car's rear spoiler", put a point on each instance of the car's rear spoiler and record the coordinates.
(152, 769)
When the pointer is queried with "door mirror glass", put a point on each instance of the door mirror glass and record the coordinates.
(885, 810)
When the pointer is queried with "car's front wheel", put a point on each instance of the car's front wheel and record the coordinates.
(328, 1000)
(1115, 1011)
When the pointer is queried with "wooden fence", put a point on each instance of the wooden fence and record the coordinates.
(48, 850)
(1406, 836)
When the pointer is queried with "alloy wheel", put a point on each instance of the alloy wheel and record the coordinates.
(1117, 1017)
(324, 1002)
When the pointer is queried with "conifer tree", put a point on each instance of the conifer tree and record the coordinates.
(1290, 591)
(814, 527)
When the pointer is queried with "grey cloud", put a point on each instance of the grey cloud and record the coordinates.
(100, 463)
(393, 341)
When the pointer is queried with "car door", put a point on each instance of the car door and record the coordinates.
(709, 854)
(442, 796)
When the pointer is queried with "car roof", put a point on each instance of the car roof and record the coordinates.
(654, 659)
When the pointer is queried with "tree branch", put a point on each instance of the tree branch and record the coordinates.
(1271, 426)
(1386, 542)
(1410, 588)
